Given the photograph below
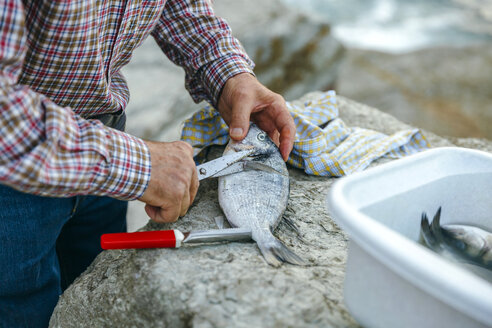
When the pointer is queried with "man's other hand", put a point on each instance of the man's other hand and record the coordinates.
(173, 181)
(245, 99)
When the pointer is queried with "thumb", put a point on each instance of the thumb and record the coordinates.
(238, 128)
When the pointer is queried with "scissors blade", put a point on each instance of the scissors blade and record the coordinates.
(233, 168)
(246, 166)
(209, 169)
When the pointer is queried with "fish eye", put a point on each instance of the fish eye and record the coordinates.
(261, 136)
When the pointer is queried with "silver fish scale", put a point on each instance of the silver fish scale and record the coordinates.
(254, 199)
(257, 199)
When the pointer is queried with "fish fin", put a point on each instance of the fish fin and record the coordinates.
(437, 217)
(427, 234)
(275, 253)
(252, 165)
(221, 222)
(293, 226)
(445, 247)
(435, 227)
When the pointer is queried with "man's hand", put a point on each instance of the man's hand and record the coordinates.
(243, 99)
(173, 181)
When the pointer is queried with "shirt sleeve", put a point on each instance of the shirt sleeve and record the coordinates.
(48, 150)
(194, 38)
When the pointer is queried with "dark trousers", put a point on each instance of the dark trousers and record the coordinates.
(45, 243)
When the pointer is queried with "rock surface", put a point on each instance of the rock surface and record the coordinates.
(227, 285)
(479, 13)
(446, 90)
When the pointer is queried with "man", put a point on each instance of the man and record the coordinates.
(65, 177)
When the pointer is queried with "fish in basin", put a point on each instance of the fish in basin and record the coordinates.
(467, 243)
(257, 197)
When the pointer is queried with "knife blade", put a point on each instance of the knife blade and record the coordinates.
(171, 238)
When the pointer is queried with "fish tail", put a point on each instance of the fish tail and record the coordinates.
(275, 253)
(426, 233)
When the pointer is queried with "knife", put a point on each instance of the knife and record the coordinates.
(171, 238)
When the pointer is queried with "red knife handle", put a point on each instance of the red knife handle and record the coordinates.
(142, 239)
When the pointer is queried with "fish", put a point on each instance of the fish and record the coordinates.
(257, 197)
(467, 243)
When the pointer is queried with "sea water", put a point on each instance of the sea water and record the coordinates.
(398, 26)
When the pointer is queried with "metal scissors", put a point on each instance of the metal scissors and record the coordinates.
(232, 163)
(224, 165)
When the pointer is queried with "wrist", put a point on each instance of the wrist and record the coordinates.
(216, 75)
(129, 167)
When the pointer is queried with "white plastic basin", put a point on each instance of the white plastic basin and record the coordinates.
(393, 281)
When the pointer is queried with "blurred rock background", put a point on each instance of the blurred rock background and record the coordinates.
(427, 62)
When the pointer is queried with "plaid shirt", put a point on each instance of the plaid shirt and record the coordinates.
(60, 64)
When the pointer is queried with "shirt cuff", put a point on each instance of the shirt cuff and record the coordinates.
(129, 166)
(216, 74)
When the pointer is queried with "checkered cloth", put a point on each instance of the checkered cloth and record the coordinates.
(60, 65)
(323, 145)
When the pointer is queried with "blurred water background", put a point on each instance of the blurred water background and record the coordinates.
(425, 61)
(399, 26)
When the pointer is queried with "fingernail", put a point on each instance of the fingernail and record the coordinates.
(237, 132)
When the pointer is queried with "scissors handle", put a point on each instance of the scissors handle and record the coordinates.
(211, 168)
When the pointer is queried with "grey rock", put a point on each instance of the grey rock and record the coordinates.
(479, 15)
(446, 90)
(226, 285)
